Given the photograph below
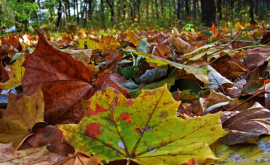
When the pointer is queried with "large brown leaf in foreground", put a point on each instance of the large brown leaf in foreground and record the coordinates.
(65, 81)
(246, 126)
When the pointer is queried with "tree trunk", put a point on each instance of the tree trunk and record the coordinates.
(157, 9)
(256, 7)
(59, 15)
(78, 16)
(147, 12)
(74, 8)
(139, 10)
(195, 9)
(102, 13)
(208, 12)
(178, 9)
(112, 11)
(124, 11)
(90, 10)
(65, 15)
(187, 8)
(219, 9)
(131, 11)
(251, 13)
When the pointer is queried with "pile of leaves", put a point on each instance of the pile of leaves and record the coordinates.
(135, 97)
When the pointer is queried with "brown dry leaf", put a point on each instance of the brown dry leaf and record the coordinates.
(112, 57)
(65, 81)
(105, 77)
(216, 97)
(22, 113)
(181, 44)
(36, 156)
(48, 135)
(229, 68)
(246, 126)
(3, 74)
(83, 55)
(163, 51)
(80, 158)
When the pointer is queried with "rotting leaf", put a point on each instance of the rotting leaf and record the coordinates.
(22, 113)
(144, 129)
(38, 155)
(80, 158)
(246, 126)
(243, 154)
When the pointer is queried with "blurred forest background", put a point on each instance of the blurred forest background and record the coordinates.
(123, 14)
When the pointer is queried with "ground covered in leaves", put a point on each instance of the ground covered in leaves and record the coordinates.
(136, 97)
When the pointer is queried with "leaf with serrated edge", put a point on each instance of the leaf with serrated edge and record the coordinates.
(144, 129)
(22, 113)
(17, 72)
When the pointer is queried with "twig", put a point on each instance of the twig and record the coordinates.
(246, 100)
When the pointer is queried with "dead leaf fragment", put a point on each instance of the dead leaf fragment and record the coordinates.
(38, 155)
(246, 126)
(80, 158)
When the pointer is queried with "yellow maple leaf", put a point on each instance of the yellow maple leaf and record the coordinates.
(238, 27)
(17, 72)
(22, 113)
(108, 43)
(132, 37)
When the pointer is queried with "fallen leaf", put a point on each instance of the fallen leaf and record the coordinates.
(216, 79)
(246, 126)
(153, 74)
(243, 154)
(132, 37)
(36, 156)
(144, 129)
(3, 74)
(22, 113)
(17, 72)
(80, 158)
(65, 81)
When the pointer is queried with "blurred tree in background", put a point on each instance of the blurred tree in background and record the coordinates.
(122, 14)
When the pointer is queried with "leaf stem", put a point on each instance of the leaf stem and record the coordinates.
(128, 161)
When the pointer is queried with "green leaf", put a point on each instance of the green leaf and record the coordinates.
(169, 81)
(129, 71)
(144, 129)
(153, 74)
(15, 57)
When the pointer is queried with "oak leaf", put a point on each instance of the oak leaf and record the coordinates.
(22, 113)
(144, 129)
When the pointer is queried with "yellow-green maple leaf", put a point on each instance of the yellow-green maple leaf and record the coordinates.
(144, 129)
